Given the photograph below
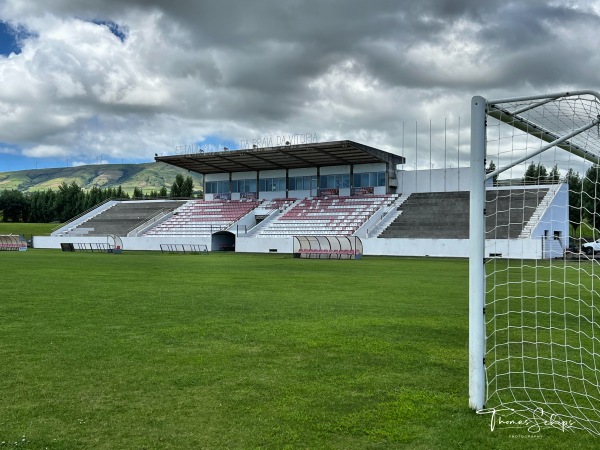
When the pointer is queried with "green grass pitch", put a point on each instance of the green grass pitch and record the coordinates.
(241, 351)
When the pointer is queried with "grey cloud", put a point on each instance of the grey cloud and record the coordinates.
(346, 67)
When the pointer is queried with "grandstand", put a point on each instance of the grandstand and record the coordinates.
(117, 218)
(203, 218)
(326, 215)
(431, 215)
(445, 215)
(260, 199)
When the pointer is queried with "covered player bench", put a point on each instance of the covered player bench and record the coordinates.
(328, 247)
(12, 242)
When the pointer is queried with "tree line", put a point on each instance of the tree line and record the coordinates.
(538, 174)
(69, 200)
(534, 174)
(584, 203)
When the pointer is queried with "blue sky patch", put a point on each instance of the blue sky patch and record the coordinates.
(9, 39)
(116, 29)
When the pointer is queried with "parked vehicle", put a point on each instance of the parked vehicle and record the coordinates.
(591, 247)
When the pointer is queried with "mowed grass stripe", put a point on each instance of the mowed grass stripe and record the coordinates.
(145, 350)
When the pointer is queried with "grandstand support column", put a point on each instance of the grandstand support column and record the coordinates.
(476, 256)
(318, 181)
(258, 184)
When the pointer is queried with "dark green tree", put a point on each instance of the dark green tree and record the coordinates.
(535, 174)
(589, 196)
(119, 193)
(70, 201)
(41, 206)
(490, 169)
(575, 186)
(13, 205)
(187, 189)
(94, 196)
(163, 192)
(554, 175)
(138, 193)
(177, 186)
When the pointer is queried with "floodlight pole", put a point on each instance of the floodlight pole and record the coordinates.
(476, 256)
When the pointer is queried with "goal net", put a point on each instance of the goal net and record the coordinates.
(534, 315)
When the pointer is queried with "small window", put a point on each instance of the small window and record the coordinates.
(364, 179)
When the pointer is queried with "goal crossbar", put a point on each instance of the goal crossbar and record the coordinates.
(561, 142)
(539, 128)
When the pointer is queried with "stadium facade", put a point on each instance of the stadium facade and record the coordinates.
(262, 199)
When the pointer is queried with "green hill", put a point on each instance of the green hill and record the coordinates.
(148, 177)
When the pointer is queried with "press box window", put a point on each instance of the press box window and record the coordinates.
(369, 179)
(217, 187)
(272, 184)
(248, 185)
(303, 183)
(337, 181)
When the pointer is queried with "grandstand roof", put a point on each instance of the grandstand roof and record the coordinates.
(282, 157)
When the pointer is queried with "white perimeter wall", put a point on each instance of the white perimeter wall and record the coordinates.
(264, 245)
(451, 248)
(529, 249)
(129, 243)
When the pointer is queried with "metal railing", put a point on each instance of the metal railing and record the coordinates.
(73, 219)
(146, 222)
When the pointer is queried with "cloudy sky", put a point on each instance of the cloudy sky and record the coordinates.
(87, 81)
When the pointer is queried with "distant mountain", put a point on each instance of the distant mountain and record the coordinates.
(148, 177)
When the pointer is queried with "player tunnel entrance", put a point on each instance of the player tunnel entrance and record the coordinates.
(223, 241)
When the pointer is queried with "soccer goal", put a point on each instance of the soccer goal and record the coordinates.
(534, 303)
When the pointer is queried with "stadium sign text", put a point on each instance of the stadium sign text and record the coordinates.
(188, 149)
(279, 140)
(267, 141)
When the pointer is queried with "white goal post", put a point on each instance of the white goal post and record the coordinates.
(534, 314)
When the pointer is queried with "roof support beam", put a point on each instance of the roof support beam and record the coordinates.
(325, 152)
(220, 169)
(264, 160)
(232, 161)
(296, 157)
